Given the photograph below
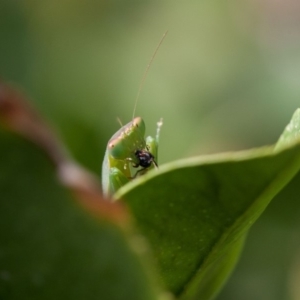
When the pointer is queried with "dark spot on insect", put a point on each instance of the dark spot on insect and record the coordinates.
(145, 159)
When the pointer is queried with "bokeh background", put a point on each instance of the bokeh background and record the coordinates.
(226, 78)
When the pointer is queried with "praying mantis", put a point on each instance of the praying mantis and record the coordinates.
(128, 149)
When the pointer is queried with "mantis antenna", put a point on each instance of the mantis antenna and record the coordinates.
(120, 122)
(146, 72)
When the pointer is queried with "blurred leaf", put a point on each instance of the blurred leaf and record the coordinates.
(49, 247)
(196, 212)
(54, 244)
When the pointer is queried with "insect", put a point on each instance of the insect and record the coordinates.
(128, 149)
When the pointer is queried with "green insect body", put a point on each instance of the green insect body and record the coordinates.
(126, 151)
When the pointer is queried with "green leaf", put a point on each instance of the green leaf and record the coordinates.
(59, 239)
(50, 247)
(291, 132)
(196, 212)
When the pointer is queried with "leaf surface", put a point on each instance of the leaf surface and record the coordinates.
(196, 212)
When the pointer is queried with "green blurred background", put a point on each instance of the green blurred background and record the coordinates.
(225, 78)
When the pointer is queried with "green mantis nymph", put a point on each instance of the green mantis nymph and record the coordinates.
(128, 150)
